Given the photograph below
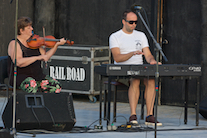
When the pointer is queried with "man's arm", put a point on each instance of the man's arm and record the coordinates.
(148, 56)
(118, 57)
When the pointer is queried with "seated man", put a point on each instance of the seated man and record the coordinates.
(127, 46)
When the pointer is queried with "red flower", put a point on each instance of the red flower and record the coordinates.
(26, 85)
(33, 83)
(43, 83)
(57, 90)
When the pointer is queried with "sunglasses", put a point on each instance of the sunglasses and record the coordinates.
(131, 22)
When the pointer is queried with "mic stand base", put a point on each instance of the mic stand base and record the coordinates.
(13, 131)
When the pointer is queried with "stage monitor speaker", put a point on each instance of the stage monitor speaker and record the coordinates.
(203, 107)
(48, 111)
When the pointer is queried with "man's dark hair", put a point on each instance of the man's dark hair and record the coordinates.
(125, 13)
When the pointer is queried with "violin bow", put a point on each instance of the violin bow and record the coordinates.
(44, 47)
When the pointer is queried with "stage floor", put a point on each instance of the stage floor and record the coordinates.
(87, 113)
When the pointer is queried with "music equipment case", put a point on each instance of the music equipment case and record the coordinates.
(73, 67)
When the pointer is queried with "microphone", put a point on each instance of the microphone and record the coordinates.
(135, 7)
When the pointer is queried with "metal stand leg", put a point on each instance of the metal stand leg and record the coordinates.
(186, 101)
(100, 99)
(142, 104)
(197, 101)
(105, 100)
(115, 98)
(109, 100)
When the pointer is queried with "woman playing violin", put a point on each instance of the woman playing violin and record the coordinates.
(30, 75)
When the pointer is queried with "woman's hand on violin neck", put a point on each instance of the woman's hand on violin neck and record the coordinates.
(61, 42)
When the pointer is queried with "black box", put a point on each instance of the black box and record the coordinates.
(73, 67)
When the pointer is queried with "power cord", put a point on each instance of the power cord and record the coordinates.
(113, 127)
(97, 127)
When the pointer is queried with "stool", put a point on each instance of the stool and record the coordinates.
(115, 84)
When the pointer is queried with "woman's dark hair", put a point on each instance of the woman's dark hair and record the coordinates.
(23, 22)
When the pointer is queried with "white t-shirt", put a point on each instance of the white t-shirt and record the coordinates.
(129, 43)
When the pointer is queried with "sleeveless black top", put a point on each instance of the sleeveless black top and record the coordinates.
(33, 70)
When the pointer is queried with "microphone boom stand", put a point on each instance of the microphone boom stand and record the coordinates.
(13, 129)
(158, 49)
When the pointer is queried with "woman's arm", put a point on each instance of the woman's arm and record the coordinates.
(52, 50)
(20, 60)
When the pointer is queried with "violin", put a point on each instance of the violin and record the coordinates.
(35, 41)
